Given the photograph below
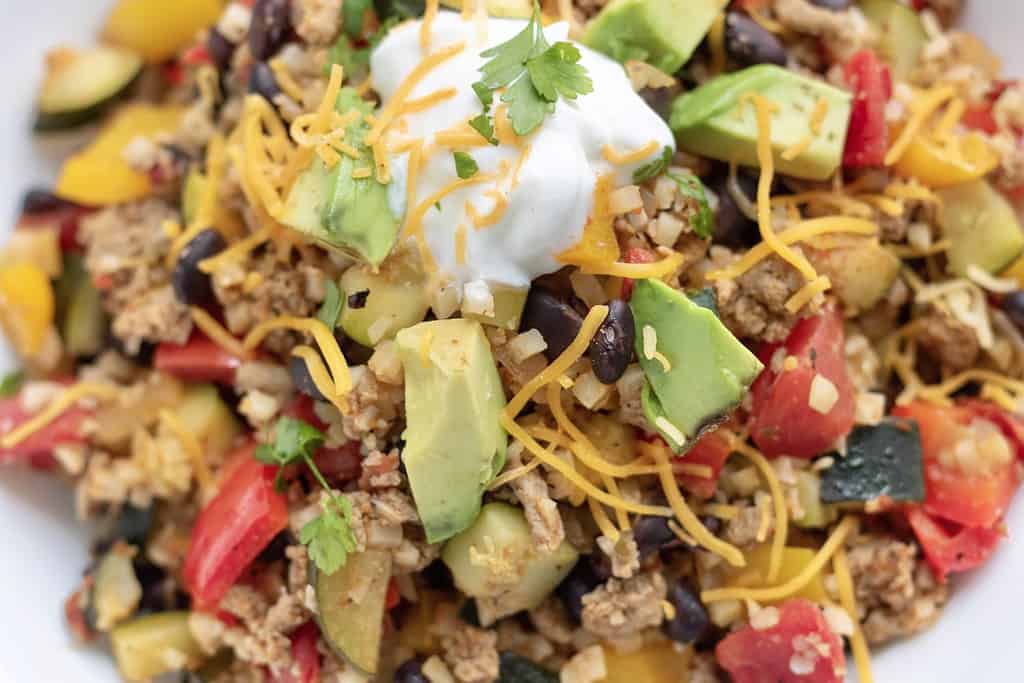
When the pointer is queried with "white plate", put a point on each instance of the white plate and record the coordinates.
(44, 550)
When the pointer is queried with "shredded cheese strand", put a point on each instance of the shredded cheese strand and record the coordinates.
(923, 109)
(324, 339)
(778, 501)
(67, 398)
(613, 156)
(429, 14)
(783, 591)
(604, 523)
(637, 271)
(216, 332)
(814, 125)
(236, 250)
(321, 379)
(716, 43)
(808, 292)
(191, 446)
(848, 599)
(513, 474)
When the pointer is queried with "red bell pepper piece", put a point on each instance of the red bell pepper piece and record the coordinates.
(233, 528)
(799, 648)
(947, 551)
(711, 450)
(782, 420)
(37, 448)
(867, 137)
(305, 657)
(198, 360)
(635, 255)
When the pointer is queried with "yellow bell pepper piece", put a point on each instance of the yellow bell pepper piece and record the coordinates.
(598, 246)
(99, 175)
(1015, 272)
(158, 29)
(793, 562)
(659, 663)
(961, 160)
(26, 306)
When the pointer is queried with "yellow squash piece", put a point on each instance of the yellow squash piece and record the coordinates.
(658, 663)
(26, 306)
(935, 164)
(793, 562)
(158, 29)
(598, 246)
(98, 175)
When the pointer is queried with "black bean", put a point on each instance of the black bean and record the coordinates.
(357, 300)
(748, 43)
(262, 81)
(220, 48)
(1013, 307)
(691, 620)
(834, 5)
(192, 286)
(651, 533)
(438, 576)
(411, 671)
(275, 549)
(134, 524)
(732, 227)
(38, 201)
(271, 21)
(611, 349)
(469, 613)
(580, 581)
(302, 380)
(555, 319)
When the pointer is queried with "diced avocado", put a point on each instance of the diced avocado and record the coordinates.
(663, 33)
(710, 121)
(881, 460)
(861, 270)
(513, 9)
(508, 308)
(378, 302)
(496, 559)
(981, 226)
(351, 606)
(205, 415)
(454, 443)
(155, 644)
(708, 370)
(901, 34)
(339, 211)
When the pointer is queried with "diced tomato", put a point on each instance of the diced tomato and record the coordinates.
(1011, 425)
(712, 450)
(306, 658)
(198, 360)
(233, 528)
(867, 138)
(65, 218)
(753, 655)
(948, 551)
(635, 255)
(36, 449)
(782, 419)
(74, 615)
(954, 491)
(979, 117)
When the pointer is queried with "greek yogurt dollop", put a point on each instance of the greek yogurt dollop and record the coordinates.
(548, 207)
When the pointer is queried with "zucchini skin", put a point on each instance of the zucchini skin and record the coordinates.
(881, 460)
(50, 122)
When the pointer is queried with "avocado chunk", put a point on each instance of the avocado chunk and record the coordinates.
(350, 214)
(696, 371)
(454, 444)
(981, 226)
(519, 577)
(663, 33)
(710, 121)
(901, 34)
(378, 302)
(881, 460)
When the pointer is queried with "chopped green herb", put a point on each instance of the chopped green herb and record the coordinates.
(465, 165)
(330, 309)
(534, 73)
(655, 168)
(484, 125)
(353, 13)
(691, 187)
(294, 440)
(10, 383)
(437, 205)
(355, 61)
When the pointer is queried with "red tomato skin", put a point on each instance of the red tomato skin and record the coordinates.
(782, 422)
(199, 360)
(712, 450)
(36, 449)
(867, 137)
(634, 255)
(972, 500)
(763, 656)
(1009, 424)
(306, 657)
(948, 553)
(233, 528)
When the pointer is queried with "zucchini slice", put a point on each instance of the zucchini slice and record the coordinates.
(354, 628)
(81, 84)
(880, 460)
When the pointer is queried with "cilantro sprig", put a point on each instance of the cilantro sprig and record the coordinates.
(10, 383)
(328, 537)
(465, 165)
(533, 73)
(654, 168)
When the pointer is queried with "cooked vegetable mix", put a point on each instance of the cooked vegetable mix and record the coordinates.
(509, 342)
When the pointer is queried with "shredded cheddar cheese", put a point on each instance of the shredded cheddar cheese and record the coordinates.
(848, 599)
(813, 288)
(236, 251)
(622, 158)
(638, 271)
(284, 79)
(716, 44)
(324, 339)
(921, 111)
(778, 501)
(216, 332)
(191, 446)
(814, 129)
(67, 398)
(321, 379)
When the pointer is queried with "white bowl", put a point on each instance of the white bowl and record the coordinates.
(45, 549)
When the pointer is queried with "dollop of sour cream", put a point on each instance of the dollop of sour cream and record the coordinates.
(551, 196)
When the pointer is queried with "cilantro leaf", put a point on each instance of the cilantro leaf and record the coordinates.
(690, 187)
(353, 13)
(10, 383)
(484, 125)
(507, 61)
(556, 72)
(465, 165)
(329, 538)
(293, 440)
(330, 309)
(484, 94)
(655, 168)
(526, 108)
